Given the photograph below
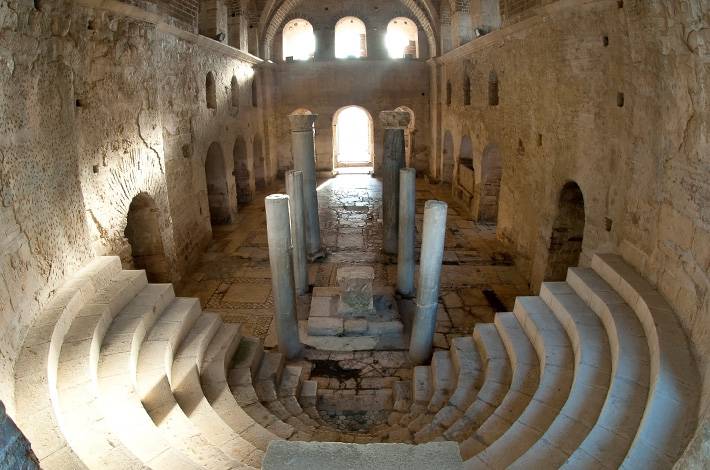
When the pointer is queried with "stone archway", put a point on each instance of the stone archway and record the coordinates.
(353, 138)
(567, 233)
(217, 189)
(144, 237)
(242, 172)
(489, 190)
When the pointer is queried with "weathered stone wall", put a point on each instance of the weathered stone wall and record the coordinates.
(614, 96)
(97, 107)
(323, 87)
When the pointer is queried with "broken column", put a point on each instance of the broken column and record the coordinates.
(279, 238)
(304, 160)
(407, 231)
(294, 189)
(432, 254)
(394, 122)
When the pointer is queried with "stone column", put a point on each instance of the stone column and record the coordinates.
(394, 123)
(279, 236)
(407, 231)
(294, 189)
(430, 259)
(303, 150)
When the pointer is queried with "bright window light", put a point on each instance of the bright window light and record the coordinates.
(299, 42)
(350, 38)
(402, 38)
(353, 136)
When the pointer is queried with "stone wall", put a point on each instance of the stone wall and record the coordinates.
(323, 87)
(613, 96)
(98, 106)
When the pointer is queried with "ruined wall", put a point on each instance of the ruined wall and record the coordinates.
(323, 87)
(96, 107)
(614, 96)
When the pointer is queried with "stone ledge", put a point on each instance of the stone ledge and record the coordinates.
(340, 456)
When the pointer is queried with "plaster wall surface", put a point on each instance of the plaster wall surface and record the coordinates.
(98, 105)
(613, 96)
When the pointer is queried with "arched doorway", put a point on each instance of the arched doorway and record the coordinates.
(242, 173)
(567, 233)
(259, 169)
(408, 137)
(447, 157)
(299, 43)
(353, 145)
(143, 234)
(466, 151)
(350, 38)
(491, 173)
(402, 39)
(217, 193)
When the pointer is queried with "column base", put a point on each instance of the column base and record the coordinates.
(319, 255)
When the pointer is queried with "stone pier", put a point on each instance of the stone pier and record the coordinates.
(430, 259)
(394, 123)
(304, 160)
(279, 238)
(406, 259)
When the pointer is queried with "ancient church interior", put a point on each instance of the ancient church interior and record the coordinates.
(354, 234)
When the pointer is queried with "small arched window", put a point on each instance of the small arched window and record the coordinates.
(254, 94)
(466, 90)
(448, 93)
(350, 38)
(299, 43)
(402, 39)
(210, 91)
(235, 92)
(493, 89)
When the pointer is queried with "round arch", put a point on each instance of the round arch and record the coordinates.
(350, 38)
(145, 238)
(565, 246)
(491, 175)
(217, 189)
(276, 11)
(353, 138)
(299, 42)
(402, 38)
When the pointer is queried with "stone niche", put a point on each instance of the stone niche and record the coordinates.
(355, 315)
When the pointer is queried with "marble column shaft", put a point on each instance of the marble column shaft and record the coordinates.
(394, 122)
(294, 189)
(279, 237)
(430, 259)
(304, 160)
(407, 231)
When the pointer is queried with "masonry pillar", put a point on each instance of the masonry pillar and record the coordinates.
(325, 46)
(294, 189)
(303, 150)
(279, 238)
(394, 122)
(461, 26)
(432, 254)
(407, 231)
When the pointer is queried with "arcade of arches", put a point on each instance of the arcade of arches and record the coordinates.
(139, 140)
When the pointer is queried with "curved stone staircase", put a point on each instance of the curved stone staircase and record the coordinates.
(595, 372)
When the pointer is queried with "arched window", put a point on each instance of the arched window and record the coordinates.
(352, 138)
(299, 43)
(466, 90)
(210, 91)
(402, 38)
(254, 94)
(235, 92)
(350, 38)
(449, 92)
(493, 98)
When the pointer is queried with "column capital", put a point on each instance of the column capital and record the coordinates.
(302, 122)
(395, 119)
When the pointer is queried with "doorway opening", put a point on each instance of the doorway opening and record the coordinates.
(143, 234)
(353, 144)
(567, 233)
(259, 162)
(491, 174)
(242, 173)
(447, 157)
(217, 193)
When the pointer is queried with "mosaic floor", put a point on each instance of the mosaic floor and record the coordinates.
(478, 276)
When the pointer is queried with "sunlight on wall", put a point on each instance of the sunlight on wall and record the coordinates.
(402, 38)
(299, 41)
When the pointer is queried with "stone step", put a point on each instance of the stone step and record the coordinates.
(269, 375)
(670, 417)
(249, 354)
(213, 378)
(557, 372)
(402, 395)
(36, 365)
(120, 403)
(443, 380)
(77, 405)
(592, 372)
(153, 386)
(309, 394)
(188, 393)
(495, 383)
